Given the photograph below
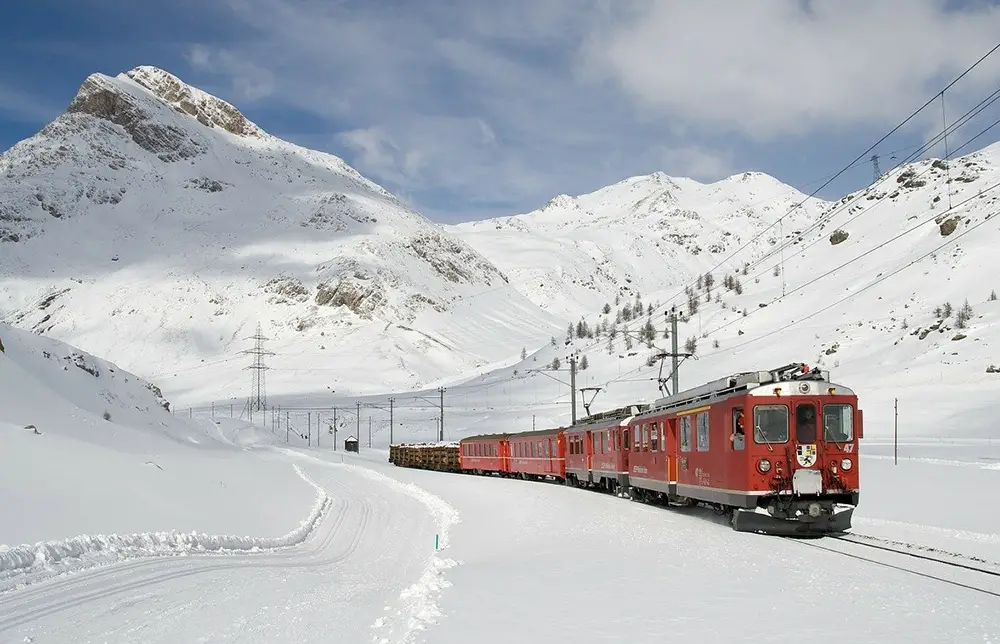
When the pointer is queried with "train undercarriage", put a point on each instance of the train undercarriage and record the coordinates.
(778, 515)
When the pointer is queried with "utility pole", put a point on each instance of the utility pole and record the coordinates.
(258, 396)
(572, 386)
(391, 400)
(673, 349)
(876, 173)
(441, 428)
(335, 429)
(369, 431)
(895, 431)
(359, 421)
(286, 427)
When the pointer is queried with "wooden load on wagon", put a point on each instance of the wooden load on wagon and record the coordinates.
(442, 457)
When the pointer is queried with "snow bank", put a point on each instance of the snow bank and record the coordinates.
(419, 600)
(49, 558)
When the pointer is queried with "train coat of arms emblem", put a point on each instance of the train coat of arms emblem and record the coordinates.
(806, 455)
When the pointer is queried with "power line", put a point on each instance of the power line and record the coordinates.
(877, 281)
(852, 163)
(826, 217)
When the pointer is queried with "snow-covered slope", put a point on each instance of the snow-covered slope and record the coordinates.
(88, 448)
(636, 236)
(155, 212)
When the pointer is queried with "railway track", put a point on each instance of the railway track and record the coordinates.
(973, 568)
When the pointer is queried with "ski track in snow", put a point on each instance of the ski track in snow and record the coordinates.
(26, 564)
(418, 602)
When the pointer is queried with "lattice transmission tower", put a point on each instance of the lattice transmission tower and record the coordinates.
(258, 389)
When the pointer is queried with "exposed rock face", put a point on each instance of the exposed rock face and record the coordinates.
(169, 142)
(454, 261)
(210, 111)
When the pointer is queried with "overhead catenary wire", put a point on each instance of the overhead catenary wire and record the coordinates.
(850, 165)
(846, 205)
(878, 280)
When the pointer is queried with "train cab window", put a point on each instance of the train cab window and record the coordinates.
(702, 419)
(685, 433)
(625, 439)
(838, 423)
(770, 424)
(805, 423)
(654, 438)
(739, 437)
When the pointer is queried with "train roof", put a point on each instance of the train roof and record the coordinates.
(736, 384)
(514, 435)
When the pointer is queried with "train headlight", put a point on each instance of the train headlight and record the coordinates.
(846, 464)
(764, 465)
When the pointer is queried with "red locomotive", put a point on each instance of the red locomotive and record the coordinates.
(796, 472)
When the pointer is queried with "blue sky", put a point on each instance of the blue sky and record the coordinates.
(471, 108)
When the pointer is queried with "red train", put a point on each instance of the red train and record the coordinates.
(796, 473)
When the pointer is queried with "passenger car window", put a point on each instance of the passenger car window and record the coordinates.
(770, 424)
(685, 433)
(702, 431)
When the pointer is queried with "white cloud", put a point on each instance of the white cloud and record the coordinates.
(248, 81)
(770, 68)
(697, 163)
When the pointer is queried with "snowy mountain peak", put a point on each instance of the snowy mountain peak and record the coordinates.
(196, 225)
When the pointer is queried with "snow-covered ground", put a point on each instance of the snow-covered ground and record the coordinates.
(165, 527)
(563, 563)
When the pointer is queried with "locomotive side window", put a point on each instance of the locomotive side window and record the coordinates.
(654, 437)
(838, 423)
(805, 423)
(685, 433)
(625, 439)
(739, 438)
(702, 419)
(770, 424)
